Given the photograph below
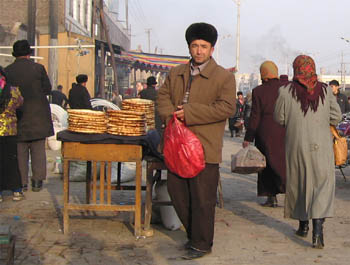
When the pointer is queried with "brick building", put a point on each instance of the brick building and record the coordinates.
(78, 23)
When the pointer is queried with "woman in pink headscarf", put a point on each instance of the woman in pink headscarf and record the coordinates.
(10, 100)
(306, 108)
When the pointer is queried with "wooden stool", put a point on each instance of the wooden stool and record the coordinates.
(153, 163)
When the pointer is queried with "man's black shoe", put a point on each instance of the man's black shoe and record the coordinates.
(37, 185)
(187, 245)
(195, 254)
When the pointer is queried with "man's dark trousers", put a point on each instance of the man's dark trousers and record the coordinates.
(38, 159)
(194, 200)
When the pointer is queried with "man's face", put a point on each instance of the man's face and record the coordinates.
(335, 89)
(240, 97)
(200, 51)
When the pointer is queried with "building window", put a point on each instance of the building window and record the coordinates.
(79, 18)
(76, 12)
(86, 12)
(70, 11)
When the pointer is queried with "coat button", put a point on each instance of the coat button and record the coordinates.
(314, 147)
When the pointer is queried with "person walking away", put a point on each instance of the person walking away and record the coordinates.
(151, 93)
(247, 108)
(34, 117)
(284, 79)
(204, 108)
(79, 97)
(58, 98)
(341, 98)
(236, 121)
(268, 135)
(10, 100)
(306, 108)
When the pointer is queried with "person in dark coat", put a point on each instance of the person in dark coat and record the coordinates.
(268, 135)
(34, 117)
(151, 93)
(236, 121)
(79, 97)
(58, 98)
(341, 98)
(284, 79)
(247, 108)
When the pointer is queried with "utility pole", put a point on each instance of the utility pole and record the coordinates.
(53, 29)
(31, 21)
(127, 15)
(114, 65)
(148, 31)
(218, 46)
(238, 2)
(342, 71)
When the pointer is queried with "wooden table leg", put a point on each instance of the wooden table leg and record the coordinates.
(138, 200)
(65, 196)
(148, 205)
(88, 181)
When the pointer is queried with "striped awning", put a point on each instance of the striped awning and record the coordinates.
(157, 62)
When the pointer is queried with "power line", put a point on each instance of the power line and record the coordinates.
(137, 8)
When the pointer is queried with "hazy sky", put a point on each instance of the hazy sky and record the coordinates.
(275, 30)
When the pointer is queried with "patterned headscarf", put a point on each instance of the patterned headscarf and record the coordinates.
(305, 73)
(2, 82)
(268, 70)
(305, 88)
(5, 92)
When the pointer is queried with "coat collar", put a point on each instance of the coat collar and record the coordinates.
(206, 71)
(21, 59)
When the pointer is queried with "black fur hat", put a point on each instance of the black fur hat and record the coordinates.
(201, 31)
(151, 80)
(81, 79)
(21, 48)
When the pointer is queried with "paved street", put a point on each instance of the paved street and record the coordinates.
(245, 232)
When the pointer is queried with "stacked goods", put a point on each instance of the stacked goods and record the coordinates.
(141, 105)
(125, 122)
(87, 121)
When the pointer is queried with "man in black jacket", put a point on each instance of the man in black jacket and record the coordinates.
(151, 93)
(34, 117)
(79, 97)
(341, 98)
(58, 98)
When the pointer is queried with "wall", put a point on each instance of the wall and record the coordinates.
(69, 64)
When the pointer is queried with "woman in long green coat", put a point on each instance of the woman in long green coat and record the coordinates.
(306, 108)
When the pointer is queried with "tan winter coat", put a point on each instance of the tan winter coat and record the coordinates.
(211, 102)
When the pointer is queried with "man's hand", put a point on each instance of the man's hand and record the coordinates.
(245, 144)
(180, 114)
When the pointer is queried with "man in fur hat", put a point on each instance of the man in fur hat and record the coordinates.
(79, 97)
(34, 117)
(202, 95)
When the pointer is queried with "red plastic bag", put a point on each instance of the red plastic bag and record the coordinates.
(183, 152)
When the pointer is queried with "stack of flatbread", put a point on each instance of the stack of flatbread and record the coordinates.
(141, 105)
(87, 121)
(126, 122)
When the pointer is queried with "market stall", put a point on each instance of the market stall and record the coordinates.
(119, 137)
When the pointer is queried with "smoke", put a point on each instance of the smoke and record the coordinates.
(273, 46)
